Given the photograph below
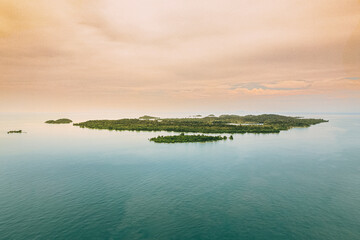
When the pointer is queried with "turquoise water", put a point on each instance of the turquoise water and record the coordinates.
(63, 182)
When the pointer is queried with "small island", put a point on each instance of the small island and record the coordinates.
(14, 131)
(59, 121)
(182, 138)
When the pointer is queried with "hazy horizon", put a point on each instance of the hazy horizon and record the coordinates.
(159, 56)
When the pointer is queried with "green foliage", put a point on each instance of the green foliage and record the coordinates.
(231, 137)
(266, 123)
(272, 119)
(59, 121)
(146, 117)
(14, 131)
(182, 138)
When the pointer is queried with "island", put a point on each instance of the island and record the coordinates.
(59, 121)
(182, 138)
(14, 131)
(230, 124)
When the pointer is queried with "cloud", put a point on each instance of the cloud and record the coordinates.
(288, 85)
(151, 51)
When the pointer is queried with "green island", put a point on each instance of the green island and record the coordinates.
(265, 123)
(182, 138)
(59, 121)
(14, 131)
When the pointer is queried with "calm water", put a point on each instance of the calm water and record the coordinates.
(63, 182)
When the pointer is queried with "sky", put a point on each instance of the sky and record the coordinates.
(184, 55)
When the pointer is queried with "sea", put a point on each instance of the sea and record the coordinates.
(59, 181)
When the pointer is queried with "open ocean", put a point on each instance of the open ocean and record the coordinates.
(64, 182)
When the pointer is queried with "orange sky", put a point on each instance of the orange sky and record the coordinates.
(152, 55)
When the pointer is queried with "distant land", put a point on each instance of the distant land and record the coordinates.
(59, 121)
(265, 123)
(182, 138)
(146, 117)
(14, 131)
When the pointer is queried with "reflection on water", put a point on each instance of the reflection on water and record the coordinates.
(65, 182)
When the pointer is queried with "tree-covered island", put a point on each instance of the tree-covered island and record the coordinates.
(14, 131)
(59, 121)
(182, 138)
(265, 123)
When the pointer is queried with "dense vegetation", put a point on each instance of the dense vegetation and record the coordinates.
(15, 131)
(182, 138)
(59, 121)
(146, 117)
(266, 123)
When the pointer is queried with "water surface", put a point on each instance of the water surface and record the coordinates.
(64, 182)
